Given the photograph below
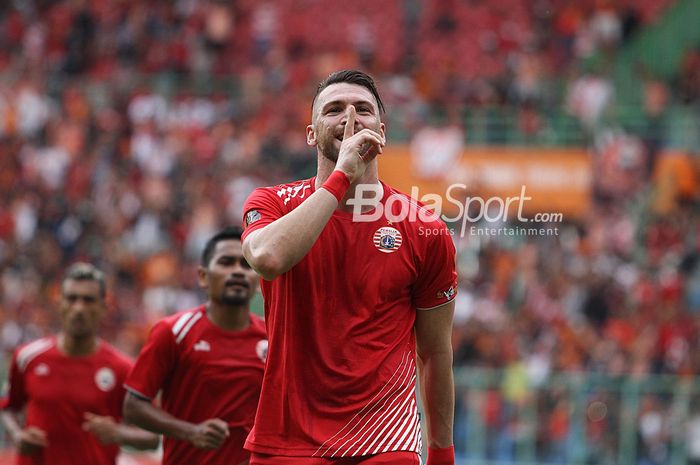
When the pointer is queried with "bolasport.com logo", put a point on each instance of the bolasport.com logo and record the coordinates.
(474, 215)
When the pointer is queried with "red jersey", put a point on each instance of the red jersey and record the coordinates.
(204, 372)
(58, 390)
(341, 371)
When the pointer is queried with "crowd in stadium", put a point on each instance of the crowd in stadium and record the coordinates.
(132, 131)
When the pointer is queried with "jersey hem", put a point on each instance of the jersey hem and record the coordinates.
(301, 452)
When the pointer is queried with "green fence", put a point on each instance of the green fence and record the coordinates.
(575, 418)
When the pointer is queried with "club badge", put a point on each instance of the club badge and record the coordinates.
(387, 239)
(105, 379)
(261, 349)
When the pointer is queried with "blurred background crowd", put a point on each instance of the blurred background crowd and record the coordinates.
(130, 131)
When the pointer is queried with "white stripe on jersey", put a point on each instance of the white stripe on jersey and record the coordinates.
(401, 366)
(406, 429)
(415, 439)
(381, 414)
(28, 352)
(392, 415)
(385, 421)
(403, 411)
(181, 322)
(187, 328)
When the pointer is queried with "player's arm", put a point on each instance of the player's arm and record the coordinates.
(109, 431)
(276, 248)
(209, 434)
(434, 348)
(27, 440)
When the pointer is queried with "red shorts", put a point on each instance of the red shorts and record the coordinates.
(388, 458)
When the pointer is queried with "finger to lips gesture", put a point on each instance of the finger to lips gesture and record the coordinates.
(357, 149)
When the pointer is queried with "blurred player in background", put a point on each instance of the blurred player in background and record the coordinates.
(349, 302)
(208, 362)
(71, 386)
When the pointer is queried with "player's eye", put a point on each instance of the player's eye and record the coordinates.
(245, 264)
(88, 299)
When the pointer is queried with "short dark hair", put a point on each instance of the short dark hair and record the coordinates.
(351, 76)
(81, 271)
(228, 233)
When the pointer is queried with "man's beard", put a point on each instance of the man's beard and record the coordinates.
(234, 300)
(328, 149)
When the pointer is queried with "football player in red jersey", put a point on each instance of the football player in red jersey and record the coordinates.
(356, 308)
(70, 386)
(208, 362)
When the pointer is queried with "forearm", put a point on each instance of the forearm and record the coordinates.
(10, 423)
(145, 415)
(437, 392)
(137, 438)
(279, 246)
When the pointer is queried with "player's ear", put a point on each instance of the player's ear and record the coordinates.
(311, 136)
(202, 277)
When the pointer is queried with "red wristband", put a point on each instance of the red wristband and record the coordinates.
(445, 456)
(337, 184)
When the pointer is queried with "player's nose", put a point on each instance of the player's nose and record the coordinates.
(344, 118)
(238, 272)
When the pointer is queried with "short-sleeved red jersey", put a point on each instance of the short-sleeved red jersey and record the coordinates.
(341, 369)
(204, 372)
(57, 390)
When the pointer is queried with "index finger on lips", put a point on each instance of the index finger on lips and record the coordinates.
(350, 123)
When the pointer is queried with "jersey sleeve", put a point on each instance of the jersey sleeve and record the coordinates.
(154, 364)
(437, 279)
(123, 366)
(260, 209)
(15, 394)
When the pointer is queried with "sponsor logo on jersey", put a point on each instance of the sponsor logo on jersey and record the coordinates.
(387, 239)
(42, 369)
(251, 217)
(202, 346)
(105, 379)
(261, 349)
(448, 294)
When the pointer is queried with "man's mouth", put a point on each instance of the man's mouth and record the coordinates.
(237, 283)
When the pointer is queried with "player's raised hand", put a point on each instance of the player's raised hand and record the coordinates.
(105, 429)
(210, 434)
(357, 149)
(30, 440)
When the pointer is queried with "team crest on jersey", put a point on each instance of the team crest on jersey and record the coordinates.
(261, 349)
(42, 369)
(105, 379)
(387, 239)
